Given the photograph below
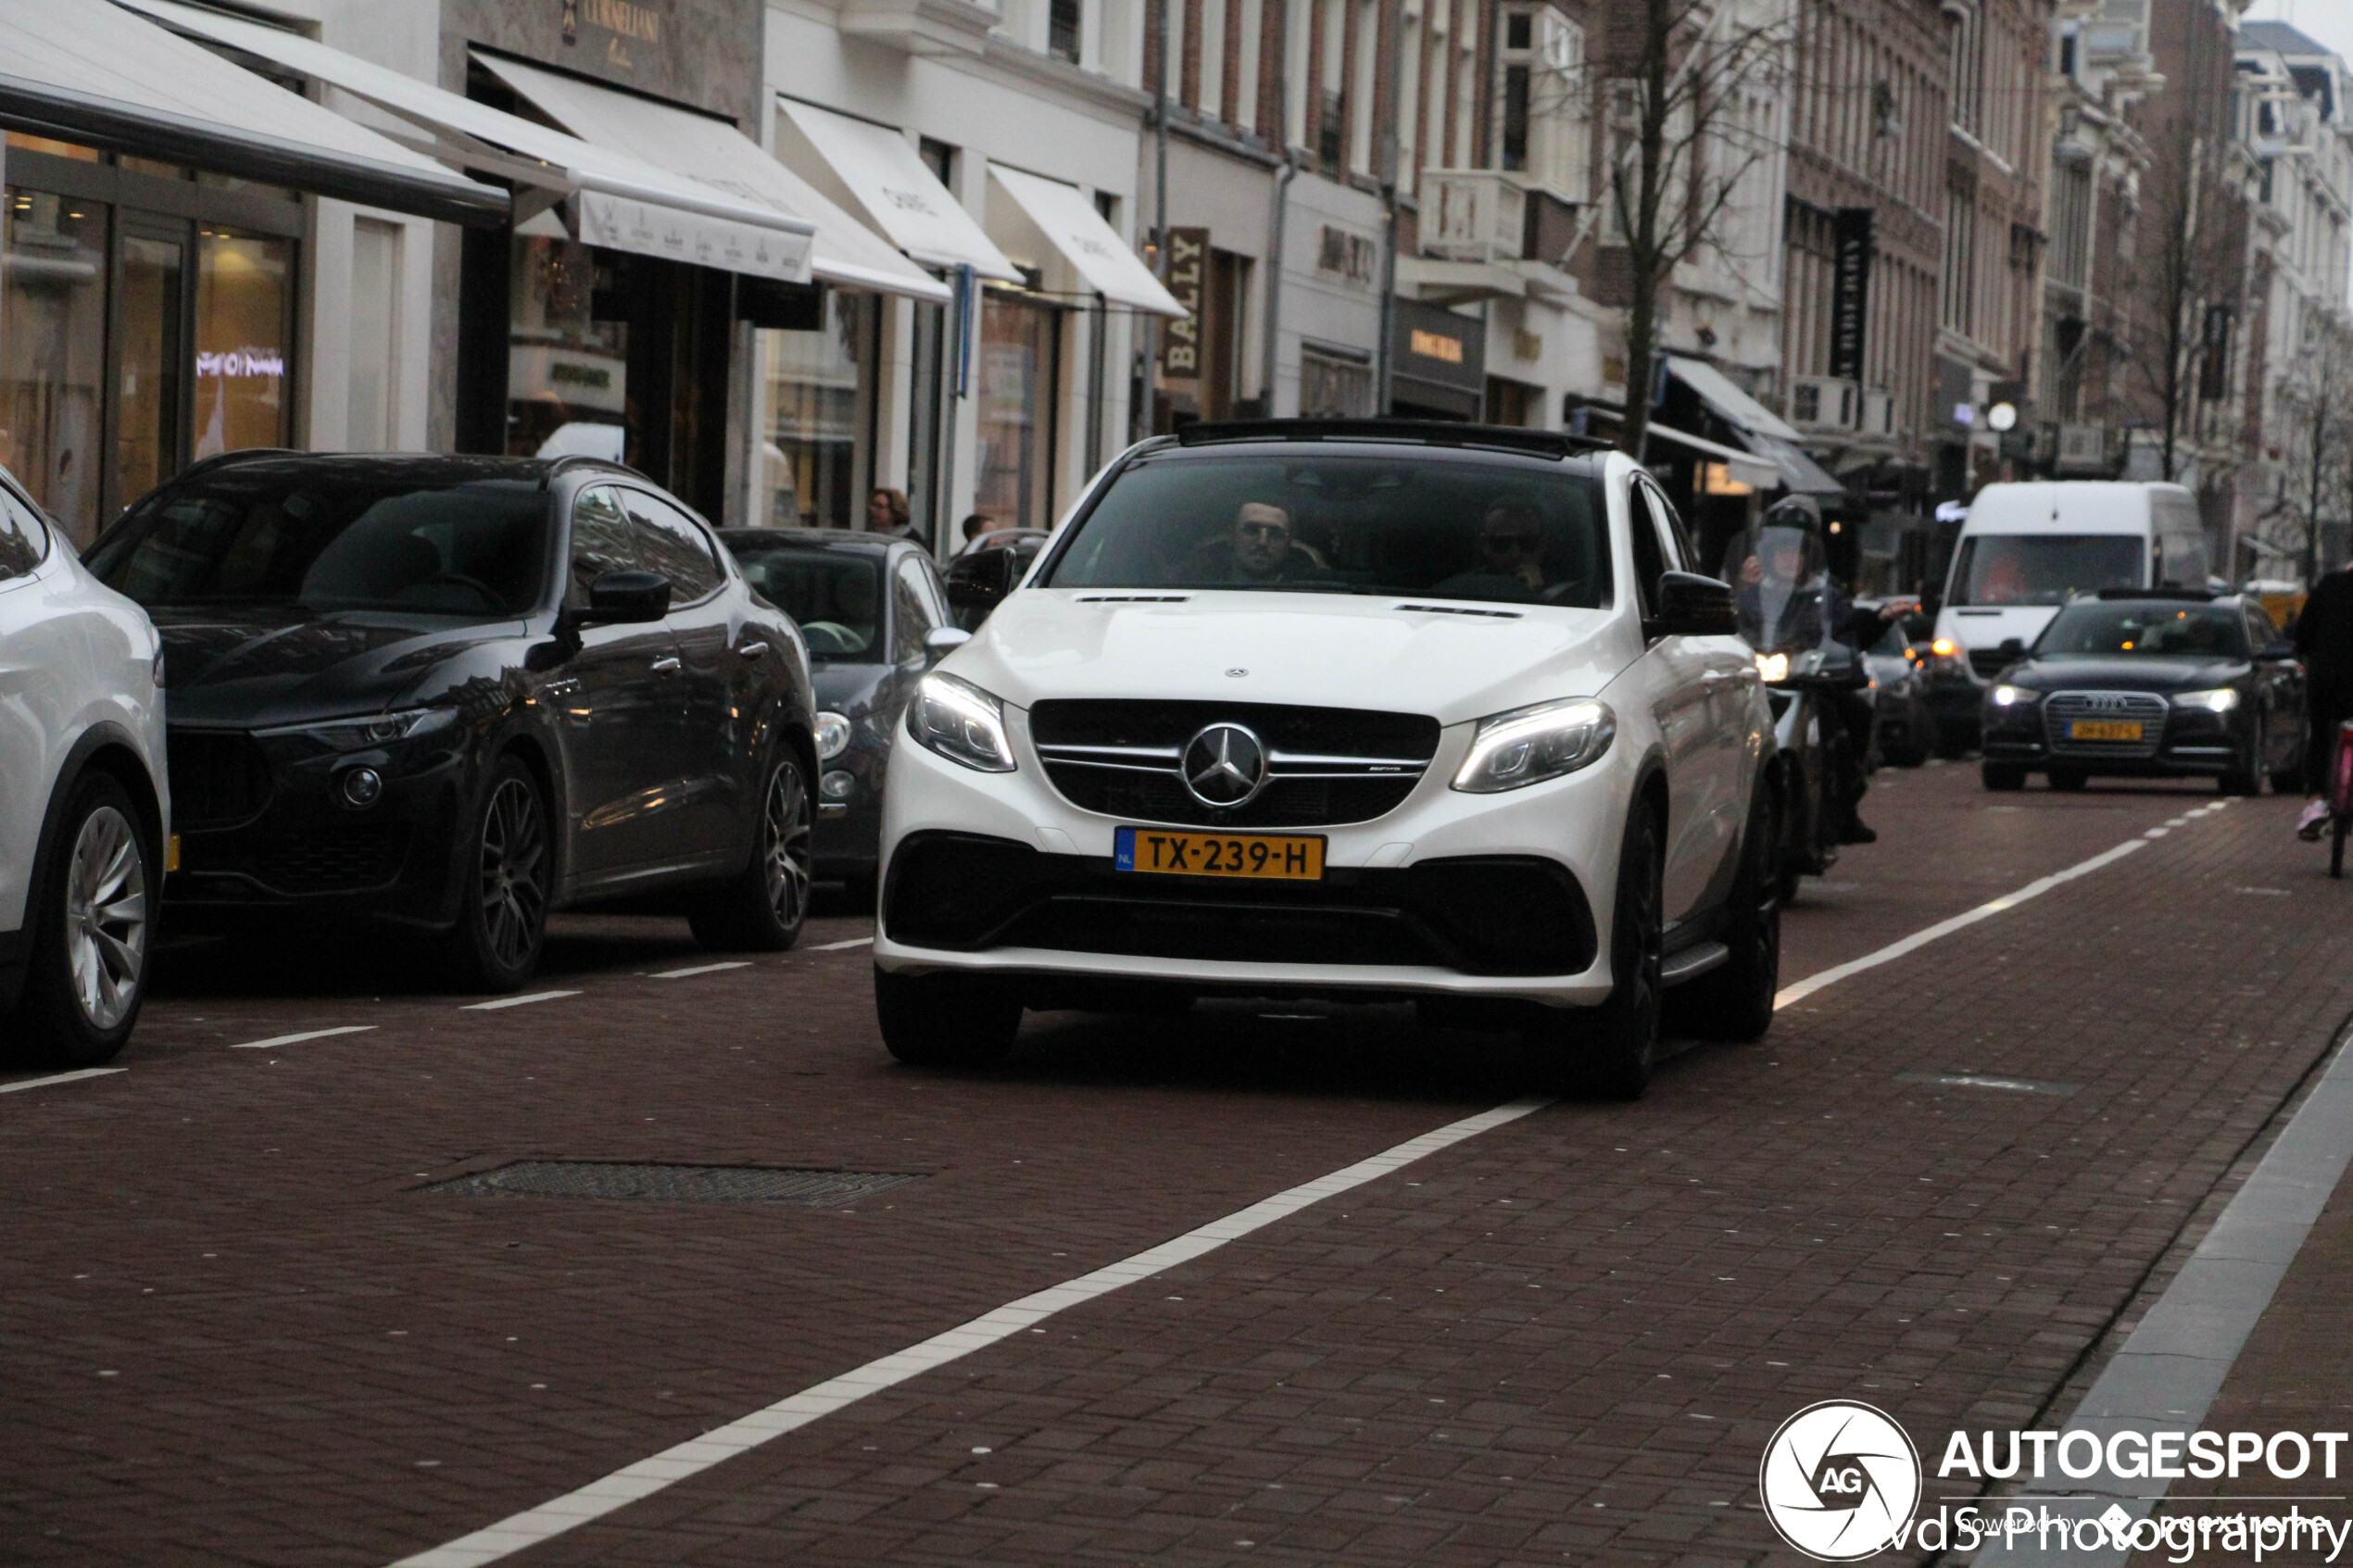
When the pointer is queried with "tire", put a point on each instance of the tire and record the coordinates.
(1734, 1000)
(2003, 776)
(2068, 781)
(946, 1020)
(507, 864)
(762, 907)
(2247, 779)
(1608, 1051)
(92, 920)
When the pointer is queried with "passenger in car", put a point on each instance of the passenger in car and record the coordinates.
(1257, 547)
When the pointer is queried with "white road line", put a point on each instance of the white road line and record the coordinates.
(696, 1455)
(699, 969)
(60, 1078)
(838, 946)
(691, 1458)
(297, 1039)
(517, 1001)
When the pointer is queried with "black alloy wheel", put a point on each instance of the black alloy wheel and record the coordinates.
(502, 921)
(91, 919)
(1608, 1051)
(1734, 1000)
(762, 907)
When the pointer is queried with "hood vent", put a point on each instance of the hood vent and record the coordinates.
(1462, 610)
(1133, 599)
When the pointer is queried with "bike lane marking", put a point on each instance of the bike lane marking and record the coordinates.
(297, 1039)
(44, 1082)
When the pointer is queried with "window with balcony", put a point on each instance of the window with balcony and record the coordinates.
(1061, 30)
(1515, 86)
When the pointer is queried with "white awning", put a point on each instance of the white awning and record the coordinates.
(1735, 406)
(1800, 472)
(715, 152)
(615, 199)
(83, 72)
(871, 169)
(1745, 467)
(1070, 223)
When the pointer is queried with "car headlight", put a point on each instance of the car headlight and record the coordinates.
(833, 736)
(372, 729)
(2221, 699)
(2010, 697)
(962, 723)
(1772, 667)
(1530, 744)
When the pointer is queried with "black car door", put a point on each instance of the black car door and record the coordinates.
(618, 706)
(2279, 691)
(718, 702)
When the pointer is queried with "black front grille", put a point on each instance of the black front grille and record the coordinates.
(1330, 765)
(356, 857)
(219, 777)
(1490, 915)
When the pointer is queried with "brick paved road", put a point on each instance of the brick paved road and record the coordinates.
(233, 1328)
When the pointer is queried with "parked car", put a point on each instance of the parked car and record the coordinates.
(85, 812)
(875, 617)
(1906, 730)
(1385, 708)
(2143, 683)
(450, 695)
(991, 567)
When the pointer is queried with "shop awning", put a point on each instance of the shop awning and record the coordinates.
(615, 200)
(872, 169)
(84, 71)
(1070, 223)
(845, 252)
(1800, 474)
(1732, 405)
(1745, 467)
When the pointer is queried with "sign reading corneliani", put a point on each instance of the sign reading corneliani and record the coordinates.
(1850, 290)
(674, 234)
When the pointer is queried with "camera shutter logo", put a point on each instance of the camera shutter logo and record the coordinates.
(1840, 1481)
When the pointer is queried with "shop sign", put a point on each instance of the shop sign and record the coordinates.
(1437, 346)
(1850, 290)
(1180, 338)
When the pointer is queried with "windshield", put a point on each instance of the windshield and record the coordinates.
(2045, 569)
(477, 548)
(1783, 589)
(2156, 631)
(1427, 526)
(836, 595)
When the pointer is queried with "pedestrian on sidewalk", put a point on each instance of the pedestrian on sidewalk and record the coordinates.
(2325, 641)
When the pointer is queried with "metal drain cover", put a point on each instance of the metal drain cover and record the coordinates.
(674, 1183)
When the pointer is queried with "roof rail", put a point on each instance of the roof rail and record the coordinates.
(1428, 432)
(2186, 596)
(565, 461)
(243, 454)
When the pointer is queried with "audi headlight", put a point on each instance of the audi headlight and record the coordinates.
(962, 723)
(2221, 699)
(2010, 697)
(833, 736)
(372, 730)
(1530, 744)
(1772, 667)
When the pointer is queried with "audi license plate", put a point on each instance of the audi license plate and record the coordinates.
(2104, 729)
(1280, 857)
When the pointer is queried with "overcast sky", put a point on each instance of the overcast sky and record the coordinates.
(2331, 21)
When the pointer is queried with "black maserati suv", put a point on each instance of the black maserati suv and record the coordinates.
(454, 694)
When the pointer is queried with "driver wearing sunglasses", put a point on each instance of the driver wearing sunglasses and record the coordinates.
(1510, 556)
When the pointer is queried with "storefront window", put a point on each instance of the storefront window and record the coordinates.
(567, 370)
(1333, 388)
(53, 341)
(245, 298)
(809, 454)
(148, 421)
(1020, 342)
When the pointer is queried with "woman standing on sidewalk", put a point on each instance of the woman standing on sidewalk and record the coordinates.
(2325, 641)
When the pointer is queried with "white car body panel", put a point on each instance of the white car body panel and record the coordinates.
(2148, 512)
(74, 655)
(1692, 705)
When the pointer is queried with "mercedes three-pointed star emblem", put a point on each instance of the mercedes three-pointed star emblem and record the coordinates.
(1224, 765)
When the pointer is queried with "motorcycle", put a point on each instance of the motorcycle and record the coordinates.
(1785, 603)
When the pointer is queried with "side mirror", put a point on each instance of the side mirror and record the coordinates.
(2277, 653)
(1692, 606)
(941, 641)
(625, 598)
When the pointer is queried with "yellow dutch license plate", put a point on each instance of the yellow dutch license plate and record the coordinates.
(2104, 729)
(1278, 857)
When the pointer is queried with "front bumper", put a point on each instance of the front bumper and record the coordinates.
(1448, 894)
(2196, 745)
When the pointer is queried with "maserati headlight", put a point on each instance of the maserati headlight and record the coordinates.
(1529, 744)
(962, 723)
(2221, 699)
(2010, 697)
(371, 730)
(1772, 667)
(833, 736)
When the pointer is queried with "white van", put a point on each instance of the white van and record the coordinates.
(2026, 549)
